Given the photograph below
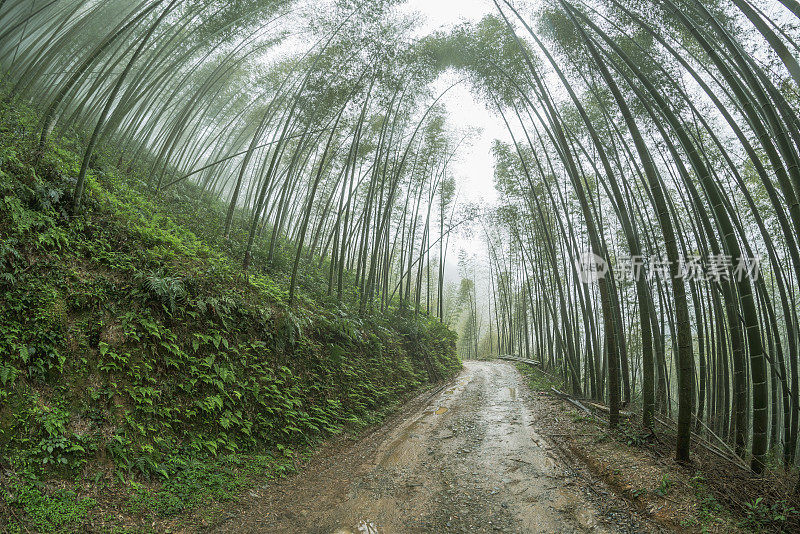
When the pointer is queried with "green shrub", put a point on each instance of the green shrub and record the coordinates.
(761, 516)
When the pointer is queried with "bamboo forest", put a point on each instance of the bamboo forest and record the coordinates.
(399, 266)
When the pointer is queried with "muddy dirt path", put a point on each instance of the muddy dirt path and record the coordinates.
(467, 459)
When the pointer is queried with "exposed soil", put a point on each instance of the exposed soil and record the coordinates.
(637, 468)
(467, 459)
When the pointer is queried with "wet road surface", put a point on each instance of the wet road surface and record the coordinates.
(467, 459)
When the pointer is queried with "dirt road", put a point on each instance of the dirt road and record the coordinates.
(467, 459)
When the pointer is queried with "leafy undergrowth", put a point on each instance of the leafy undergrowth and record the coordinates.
(141, 374)
(538, 380)
(710, 495)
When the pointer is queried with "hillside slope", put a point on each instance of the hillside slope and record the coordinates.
(141, 372)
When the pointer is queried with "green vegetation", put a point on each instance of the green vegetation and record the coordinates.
(664, 487)
(536, 379)
(760, 516)
(710, 509)
(632, 434)
(241, 246)
(133, 349)
(46, 512)
(204, 483)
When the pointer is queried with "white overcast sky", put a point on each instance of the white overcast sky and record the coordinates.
(446, 13)
(473, 167)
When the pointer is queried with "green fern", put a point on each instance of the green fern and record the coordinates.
(169, 290)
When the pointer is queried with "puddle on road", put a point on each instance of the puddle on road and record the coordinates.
(440, 410)
(363, 527)
(399, 447)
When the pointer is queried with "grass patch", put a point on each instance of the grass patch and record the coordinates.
(60, 510)
(203, 483)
